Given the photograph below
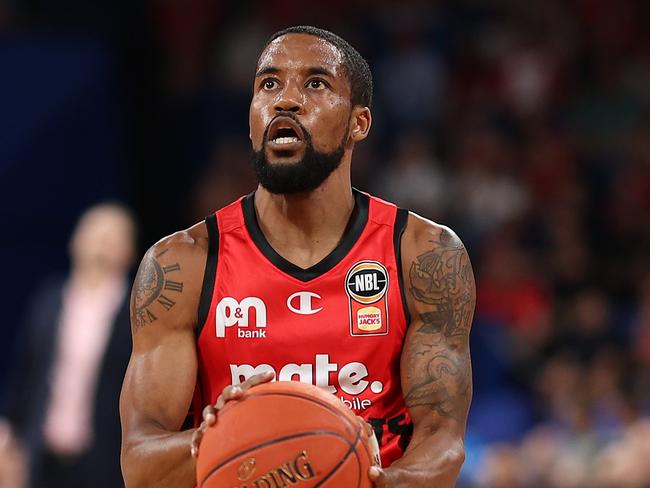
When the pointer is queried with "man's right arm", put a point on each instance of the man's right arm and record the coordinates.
(161, 376)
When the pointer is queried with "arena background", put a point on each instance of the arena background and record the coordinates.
(524, 125)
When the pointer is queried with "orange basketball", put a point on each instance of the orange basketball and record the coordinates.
(285, 434)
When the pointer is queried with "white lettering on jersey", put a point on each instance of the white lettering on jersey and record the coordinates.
(293, 371)
(231, 312)
(241, 373)
(351, 376)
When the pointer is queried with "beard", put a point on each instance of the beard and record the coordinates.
(303, 176)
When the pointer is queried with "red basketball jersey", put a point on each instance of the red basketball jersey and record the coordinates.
(339, 325)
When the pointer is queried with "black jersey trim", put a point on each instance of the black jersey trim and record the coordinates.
(210, 273)
(400, 225)
(352, 233)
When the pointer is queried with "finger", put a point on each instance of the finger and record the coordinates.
(257, 379)
(365, 426)
(210, 415)
(231, 392)
(373, 448)
(377, 476)
(218, 405)
(196, 440)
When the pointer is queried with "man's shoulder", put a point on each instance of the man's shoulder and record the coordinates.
(187, 243)
(422, 232)
(170, 279)
(439, 273)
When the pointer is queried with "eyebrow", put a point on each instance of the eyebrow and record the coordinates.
(319, 70)
(267, 70)
(311, 70)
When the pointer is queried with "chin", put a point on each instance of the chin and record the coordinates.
(280, 158)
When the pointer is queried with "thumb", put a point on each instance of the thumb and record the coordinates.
(377, 475)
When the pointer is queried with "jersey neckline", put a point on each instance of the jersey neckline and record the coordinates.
(353, 231)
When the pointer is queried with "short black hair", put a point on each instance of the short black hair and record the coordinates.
(355, 66)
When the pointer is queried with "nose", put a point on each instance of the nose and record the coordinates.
(289, 99)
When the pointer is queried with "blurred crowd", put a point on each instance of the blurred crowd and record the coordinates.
(525, 126)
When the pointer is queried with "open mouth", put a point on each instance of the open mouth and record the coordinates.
(285, 136)
(283, 131)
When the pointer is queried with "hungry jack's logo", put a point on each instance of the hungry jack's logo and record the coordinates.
(366, 284)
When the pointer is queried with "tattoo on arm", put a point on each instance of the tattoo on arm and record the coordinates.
(152, 290)
(437, 362)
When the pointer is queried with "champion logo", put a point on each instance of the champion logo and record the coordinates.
(301, 303)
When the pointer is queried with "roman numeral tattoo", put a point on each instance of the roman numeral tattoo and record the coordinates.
(148, 287)
(173, 286)
(171, 267)
(167, 303)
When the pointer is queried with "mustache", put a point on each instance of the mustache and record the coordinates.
(293, 117)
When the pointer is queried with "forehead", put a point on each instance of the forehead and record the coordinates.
(294, 51)
(102, 217)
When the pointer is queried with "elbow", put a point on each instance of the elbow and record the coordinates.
(128, 460)
(455, 456)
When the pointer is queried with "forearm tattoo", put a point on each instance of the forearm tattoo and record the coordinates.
(437, 363)
(153, 290)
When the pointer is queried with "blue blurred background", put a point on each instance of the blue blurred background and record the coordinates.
(525, 126)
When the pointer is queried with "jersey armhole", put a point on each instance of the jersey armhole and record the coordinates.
(400, 224)
(210, 273)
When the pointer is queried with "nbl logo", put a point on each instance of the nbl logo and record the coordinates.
(231, 312)
(366, 283)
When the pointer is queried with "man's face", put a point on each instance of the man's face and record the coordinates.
(300, 113)
(104, 237)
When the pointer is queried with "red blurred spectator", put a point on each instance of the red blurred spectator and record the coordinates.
(509, 292)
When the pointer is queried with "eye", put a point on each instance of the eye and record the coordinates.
(316, 84)
(269, 84)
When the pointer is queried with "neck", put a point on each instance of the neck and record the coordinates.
(304, 228)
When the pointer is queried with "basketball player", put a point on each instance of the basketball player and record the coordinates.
(309, 279)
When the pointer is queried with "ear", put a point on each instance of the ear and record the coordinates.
(361, 120)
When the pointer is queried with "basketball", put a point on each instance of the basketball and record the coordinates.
(284, 434)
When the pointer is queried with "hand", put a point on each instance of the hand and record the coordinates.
(390, 478)
(401, 474)
(371, 441)
(231, 392)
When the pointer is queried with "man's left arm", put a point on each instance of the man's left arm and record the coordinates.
(435, 364)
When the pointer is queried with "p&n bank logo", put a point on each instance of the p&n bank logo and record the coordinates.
(231, 312)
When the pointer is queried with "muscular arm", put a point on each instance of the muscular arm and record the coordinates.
(435, 362)
(161, 376)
